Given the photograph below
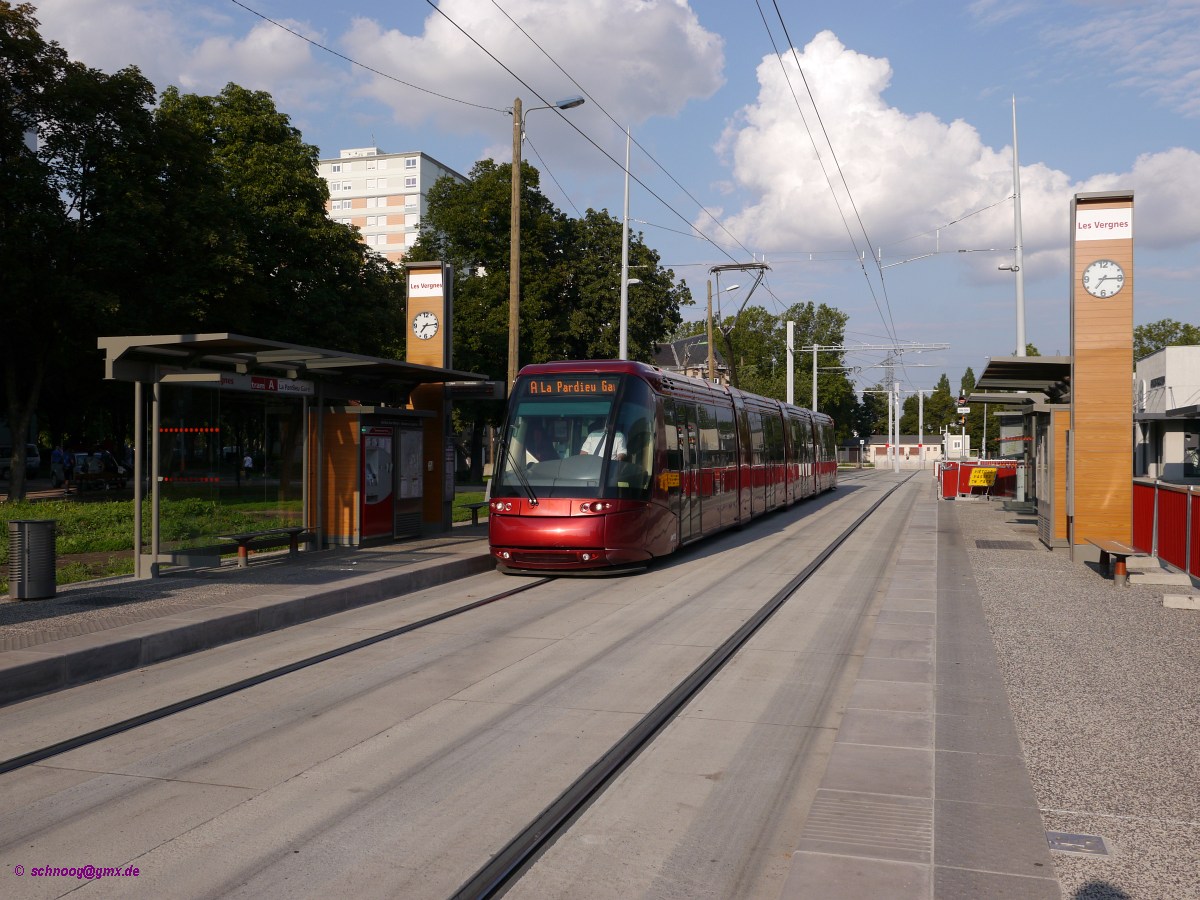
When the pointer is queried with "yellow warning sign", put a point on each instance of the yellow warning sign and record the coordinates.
(668, 480)
(983, 477)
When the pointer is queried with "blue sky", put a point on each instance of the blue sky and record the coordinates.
(915, 100)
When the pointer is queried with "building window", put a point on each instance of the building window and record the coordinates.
(346, 185)
(381, 220)
(371, 184)
(382, 184)
(336, 167)
(383, 164)
(410, 181)
(410, 162)
(370, 164)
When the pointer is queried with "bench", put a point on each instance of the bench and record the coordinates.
(1118, 552)
(475, 508)
(268, 537)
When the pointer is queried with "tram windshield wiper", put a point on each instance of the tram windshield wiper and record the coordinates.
(516, 470)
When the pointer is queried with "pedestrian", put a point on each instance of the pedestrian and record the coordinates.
(68, 470)
(57, 467)
(247, 464)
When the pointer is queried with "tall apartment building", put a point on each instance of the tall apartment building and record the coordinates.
(382, 194)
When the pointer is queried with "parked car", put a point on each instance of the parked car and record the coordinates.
(33, 461)
(98, 470)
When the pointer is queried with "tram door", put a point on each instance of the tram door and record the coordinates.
(686, 505)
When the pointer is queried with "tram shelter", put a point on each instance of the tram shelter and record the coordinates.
(1038, 388)
(351, 448)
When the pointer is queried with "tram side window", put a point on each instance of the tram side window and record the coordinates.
(758, 447)
(800, 440)
(671, 436)
(630, 474)
(711, 455)
(726, 435)
(773, 438)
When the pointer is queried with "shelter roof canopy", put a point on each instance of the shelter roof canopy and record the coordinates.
(342, 375)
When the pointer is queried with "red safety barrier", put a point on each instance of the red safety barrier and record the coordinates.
(1143, 517)
(1172, 527)
(949, 475)
(956, 478)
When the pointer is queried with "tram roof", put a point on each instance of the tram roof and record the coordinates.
(1049, 375)
(198, 357)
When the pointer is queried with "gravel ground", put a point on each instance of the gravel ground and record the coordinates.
(1103, 684)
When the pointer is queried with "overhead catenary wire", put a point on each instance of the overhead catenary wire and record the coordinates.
(634, 140)
(888, 322)
(504, 111)
(355, 62)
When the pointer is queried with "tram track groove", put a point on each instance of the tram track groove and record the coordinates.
(510, 862)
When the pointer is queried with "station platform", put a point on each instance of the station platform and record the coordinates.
(98, 628)
(1011, 701)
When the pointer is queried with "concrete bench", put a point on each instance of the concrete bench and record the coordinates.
(475, 508)
(268, 537)
(1118, 552)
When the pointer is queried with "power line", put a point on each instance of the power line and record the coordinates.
(703, 209)
(888, 324)
(354, 62)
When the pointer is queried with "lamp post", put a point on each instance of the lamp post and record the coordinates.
(514, 245)
(623, 352)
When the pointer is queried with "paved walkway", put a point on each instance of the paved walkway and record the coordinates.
(99, 628)
(1055, 695)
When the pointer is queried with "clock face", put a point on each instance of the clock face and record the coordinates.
(1103, 278)
(425, 325)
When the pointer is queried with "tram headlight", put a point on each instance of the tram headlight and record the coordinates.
(595, 506)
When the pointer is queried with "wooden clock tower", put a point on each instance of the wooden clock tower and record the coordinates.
(1100, 504)
(429, 314)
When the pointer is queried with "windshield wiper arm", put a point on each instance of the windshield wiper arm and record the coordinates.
(511, 464)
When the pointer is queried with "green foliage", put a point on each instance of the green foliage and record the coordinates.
(939, 408)
(570, 281)
(1153, 336)
(200, 214)
(107, 526)
(570, 274)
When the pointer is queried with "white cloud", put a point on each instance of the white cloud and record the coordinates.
(910, 173)
(636, 58)
(193, 47)
(111, 34)
(1148, 47)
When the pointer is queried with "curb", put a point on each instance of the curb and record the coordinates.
(76, 660)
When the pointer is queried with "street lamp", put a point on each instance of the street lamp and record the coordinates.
(514, 246)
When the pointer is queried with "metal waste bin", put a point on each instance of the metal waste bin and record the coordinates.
(31, 552)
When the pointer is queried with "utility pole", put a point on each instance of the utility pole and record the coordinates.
(514, 250)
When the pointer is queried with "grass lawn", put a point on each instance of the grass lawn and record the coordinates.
(96, 528)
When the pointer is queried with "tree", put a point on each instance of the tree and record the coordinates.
(653, 305)
(205, 213)
(276, 265)
(939, 409)
(871, 415)
(69, 209)
(1153, 336)
(570, 280)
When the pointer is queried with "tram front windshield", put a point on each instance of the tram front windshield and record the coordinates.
(577, 436)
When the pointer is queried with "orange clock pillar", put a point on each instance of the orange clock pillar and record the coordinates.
(1100, 466)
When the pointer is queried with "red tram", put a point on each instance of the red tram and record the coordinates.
(609, 464)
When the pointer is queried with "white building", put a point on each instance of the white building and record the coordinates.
(382, 194)
(1167, 415)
